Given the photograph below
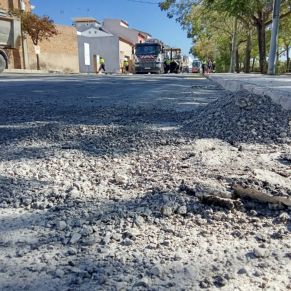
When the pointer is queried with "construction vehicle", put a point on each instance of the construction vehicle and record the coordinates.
(149, 57)
(10, 36)
(196, 66)
(186, 64)
(174, 55)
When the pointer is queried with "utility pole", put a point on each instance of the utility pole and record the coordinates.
(23, 41)
(274, 38)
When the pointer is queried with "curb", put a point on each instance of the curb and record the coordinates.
(20, 71)
(278, 96)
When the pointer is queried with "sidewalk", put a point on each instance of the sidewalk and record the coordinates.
(23, 71)
(276, 87)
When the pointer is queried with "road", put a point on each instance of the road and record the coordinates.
(171, 91)
(93, 196)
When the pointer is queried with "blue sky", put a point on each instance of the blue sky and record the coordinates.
(144, 16)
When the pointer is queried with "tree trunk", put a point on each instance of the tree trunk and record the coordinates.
(37, 62)
(248, 50)
(288, 58)
(233, 48)
(277, 64)
(261, 42)
(253, 64)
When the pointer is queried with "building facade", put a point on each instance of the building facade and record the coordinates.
(95, 42)
(113, 40)
(60, 53)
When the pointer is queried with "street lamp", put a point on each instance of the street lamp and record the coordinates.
(274, 37)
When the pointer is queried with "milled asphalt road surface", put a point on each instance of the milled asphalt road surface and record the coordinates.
(173, 91)
(101, 188)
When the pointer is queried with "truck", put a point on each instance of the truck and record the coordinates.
(10, 36)
(186, 64)
(196, 66)
(149, 57)
(174, 55)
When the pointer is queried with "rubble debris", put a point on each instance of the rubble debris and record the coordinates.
(251, 193)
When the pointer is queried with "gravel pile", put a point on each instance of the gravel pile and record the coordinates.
(242, 117)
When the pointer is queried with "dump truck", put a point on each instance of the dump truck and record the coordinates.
(149, 57)
(10, 36)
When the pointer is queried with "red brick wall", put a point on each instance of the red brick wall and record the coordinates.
(13, 4)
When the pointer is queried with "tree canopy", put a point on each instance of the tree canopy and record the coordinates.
(205, 20)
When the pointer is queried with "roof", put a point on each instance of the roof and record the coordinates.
(85, 19)
(126, 41)
(145, 34)
(142, 32)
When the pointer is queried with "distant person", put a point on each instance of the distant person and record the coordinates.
(203, 68)
(209, 66)
(102, 65)
(126, 65)
(167, 64)
(213, 67)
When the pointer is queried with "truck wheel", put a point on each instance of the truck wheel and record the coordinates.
(2, 63)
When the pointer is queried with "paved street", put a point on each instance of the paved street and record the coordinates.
(127, 183)
(171, 91)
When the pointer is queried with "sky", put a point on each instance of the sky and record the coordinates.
(144, 15)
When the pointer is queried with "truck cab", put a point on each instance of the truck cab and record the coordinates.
(10, 36)
(148, 57)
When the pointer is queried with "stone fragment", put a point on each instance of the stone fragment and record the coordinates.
(182, 210)
(167, 210)
(61, 225)
(127, 242)
(259, 253)
(75, 238)
(155, 271)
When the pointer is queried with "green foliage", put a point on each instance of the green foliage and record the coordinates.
(205, 19)
(38, 28)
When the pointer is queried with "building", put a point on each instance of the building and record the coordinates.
(121, 29)
(60, 53)
(93, 43)
(113, 40)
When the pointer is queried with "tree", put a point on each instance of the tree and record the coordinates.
(254, 12)
(212, 36)
(285, 39)
(38, 28)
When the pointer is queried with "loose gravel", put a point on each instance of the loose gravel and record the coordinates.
(122, 199)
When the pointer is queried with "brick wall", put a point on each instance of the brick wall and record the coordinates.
(60, 53)
(13, 4)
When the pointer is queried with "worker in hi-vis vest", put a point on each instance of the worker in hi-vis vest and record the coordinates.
(102, 65)
(126, 65)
